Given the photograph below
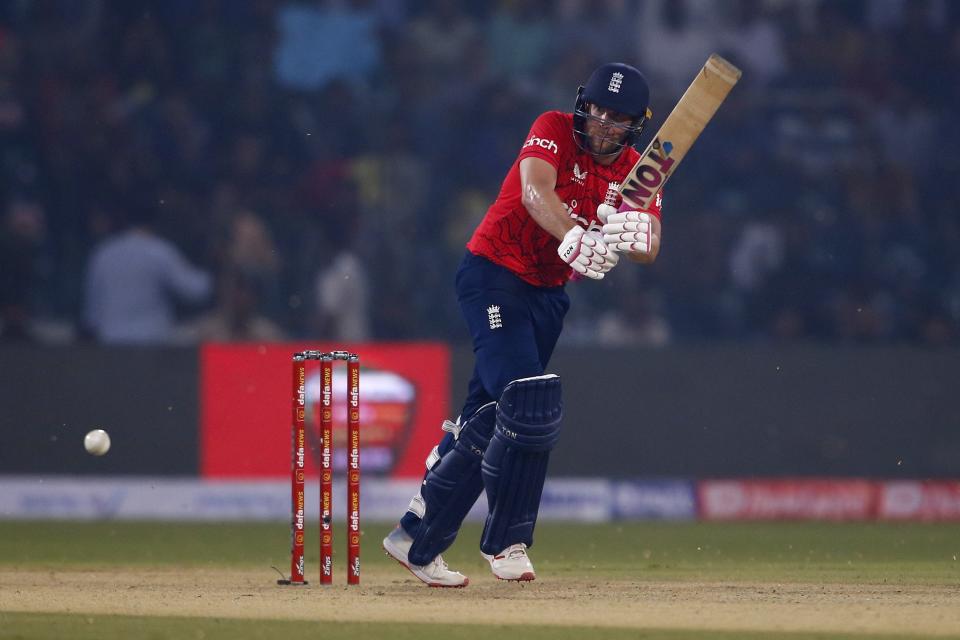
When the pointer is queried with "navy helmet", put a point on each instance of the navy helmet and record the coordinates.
(615, 86)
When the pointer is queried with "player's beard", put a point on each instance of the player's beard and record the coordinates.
(605, 143)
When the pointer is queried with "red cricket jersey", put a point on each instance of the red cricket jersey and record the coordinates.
(510, 237)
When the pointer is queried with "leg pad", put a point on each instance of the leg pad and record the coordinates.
(515, 463)
(451, 487)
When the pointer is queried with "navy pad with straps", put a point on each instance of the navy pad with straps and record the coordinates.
(515, 463)
(451, 487)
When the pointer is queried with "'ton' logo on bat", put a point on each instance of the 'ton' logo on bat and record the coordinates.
(650, 173)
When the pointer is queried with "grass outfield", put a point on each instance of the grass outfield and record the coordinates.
(779, 552)
(646, 559)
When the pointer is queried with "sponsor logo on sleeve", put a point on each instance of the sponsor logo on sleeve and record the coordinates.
(549, 145)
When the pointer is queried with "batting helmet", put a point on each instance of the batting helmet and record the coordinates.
(615, 86)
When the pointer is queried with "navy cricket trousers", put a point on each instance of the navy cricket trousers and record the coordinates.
(514, 327)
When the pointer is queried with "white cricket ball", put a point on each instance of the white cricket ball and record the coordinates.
(97, 442)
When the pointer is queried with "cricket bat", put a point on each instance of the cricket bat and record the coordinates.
(678, 133)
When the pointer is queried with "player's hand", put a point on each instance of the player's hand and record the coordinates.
(627, 231)
(586, 253)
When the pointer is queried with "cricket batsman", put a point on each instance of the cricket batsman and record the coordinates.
(556, 219)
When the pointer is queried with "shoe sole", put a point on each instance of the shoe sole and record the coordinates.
(433, 585)
(525, 577)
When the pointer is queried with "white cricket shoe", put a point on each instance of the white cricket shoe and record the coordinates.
(435, 574)
(512, 563)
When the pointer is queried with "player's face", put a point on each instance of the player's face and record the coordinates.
(606, 129)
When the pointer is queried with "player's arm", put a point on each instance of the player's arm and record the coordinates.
(538, 183)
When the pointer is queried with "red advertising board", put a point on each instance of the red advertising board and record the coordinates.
(924, 500)
(787, 499)
(245, 413)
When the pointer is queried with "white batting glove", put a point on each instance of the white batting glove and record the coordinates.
(627, 231)
(604, 211)
(586, 253)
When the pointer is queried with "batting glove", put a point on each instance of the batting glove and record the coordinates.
(586, 253)
(627, 231)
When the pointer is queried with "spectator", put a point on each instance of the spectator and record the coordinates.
(237, 317)
(757, 253)
(134, 280)
(594, 30)
(444, 36)
(389, 118)
(21, 237)
(343, 299)
(250, 250)
(755, 42)
(329, 40)
(519, 38)
(906, 115)
(666, 25)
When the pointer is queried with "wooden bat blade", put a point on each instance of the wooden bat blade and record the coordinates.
(679, 131)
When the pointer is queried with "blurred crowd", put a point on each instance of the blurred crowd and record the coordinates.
(179, 171)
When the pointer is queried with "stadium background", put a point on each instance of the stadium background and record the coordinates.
(325, 163)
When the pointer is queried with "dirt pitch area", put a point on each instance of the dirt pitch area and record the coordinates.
(389, 595)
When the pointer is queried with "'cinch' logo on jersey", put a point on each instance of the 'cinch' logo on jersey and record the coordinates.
(493, 314)
(549, 145)
(615, 81)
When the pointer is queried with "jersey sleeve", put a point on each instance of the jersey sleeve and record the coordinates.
(549, 139)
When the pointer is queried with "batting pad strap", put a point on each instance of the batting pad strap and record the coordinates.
(433, 458)
(452, 427)
(515, 464)
(451, 487)
(417, 506)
